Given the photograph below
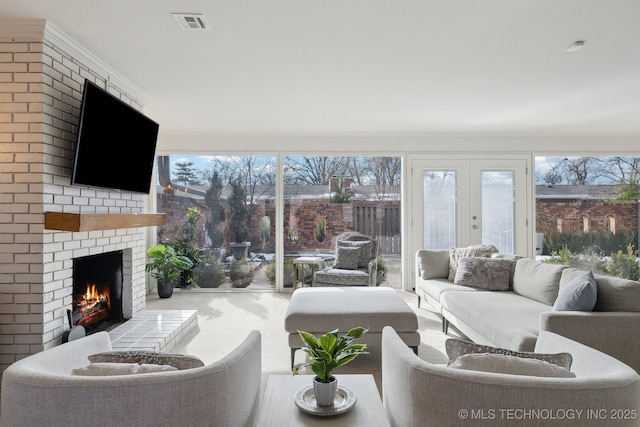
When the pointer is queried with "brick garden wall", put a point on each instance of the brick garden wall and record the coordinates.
(567, 216)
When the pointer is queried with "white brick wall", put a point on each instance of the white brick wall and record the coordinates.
(40, 99)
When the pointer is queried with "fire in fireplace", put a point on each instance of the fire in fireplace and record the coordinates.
(97, 291)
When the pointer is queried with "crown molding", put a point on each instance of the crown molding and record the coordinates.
(40, 29)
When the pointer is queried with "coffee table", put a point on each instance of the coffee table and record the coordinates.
(278, 408)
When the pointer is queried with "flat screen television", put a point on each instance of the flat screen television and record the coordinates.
(116, 144)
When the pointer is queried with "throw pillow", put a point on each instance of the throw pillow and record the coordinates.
(477, 250)
(433, 264)
(484, 273)
(366, 250)
(511, 365)
(579, 294)
(107, 369)
(511, 257)
(347, 258)
(178, 361)
(457, 347)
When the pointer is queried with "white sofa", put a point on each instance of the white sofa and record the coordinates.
(513, 318)
(417, 393)
(40, 390)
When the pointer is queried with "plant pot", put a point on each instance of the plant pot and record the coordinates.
(240, 250)
(165, 290)
(325, 392)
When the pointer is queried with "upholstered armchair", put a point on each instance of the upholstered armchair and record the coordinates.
(355, 264)
(418, 393)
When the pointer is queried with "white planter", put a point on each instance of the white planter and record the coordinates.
(325, 392)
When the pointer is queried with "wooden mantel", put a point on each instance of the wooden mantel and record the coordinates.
(92, 222)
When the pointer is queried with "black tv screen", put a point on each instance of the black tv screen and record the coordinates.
(116, 144)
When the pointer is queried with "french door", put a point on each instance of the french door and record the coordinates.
(461, 202)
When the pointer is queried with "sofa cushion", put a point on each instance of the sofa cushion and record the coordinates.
(504, 319)
(470, 251)
(617, 294)
(107, 369)
(511, 365)
(347, 258)
(433, 264)
(456, 348)
(578, 291)
(179, 361)
(366, 250)
(537, 280)
(338, 277)
(484, 273)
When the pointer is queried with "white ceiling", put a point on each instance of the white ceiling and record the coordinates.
(368, 66)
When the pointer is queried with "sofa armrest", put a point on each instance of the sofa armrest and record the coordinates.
(613, 333)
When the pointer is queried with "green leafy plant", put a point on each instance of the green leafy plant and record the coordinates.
(269, 271)
(186, 244)
(240, 273)
(381, 270)
(624, 264)
(210, 273)
(330, 351)
(166, 266)
(321, 229)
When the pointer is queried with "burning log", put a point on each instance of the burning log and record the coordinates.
(94, 317)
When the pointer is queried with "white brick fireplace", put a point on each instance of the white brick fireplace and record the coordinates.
(41, 79)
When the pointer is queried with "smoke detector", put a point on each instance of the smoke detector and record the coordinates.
(191, 21)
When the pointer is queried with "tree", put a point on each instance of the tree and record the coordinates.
(213, 200)
(238, 212)
(185, 173)
(314, 170)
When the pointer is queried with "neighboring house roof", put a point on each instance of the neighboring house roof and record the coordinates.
(357, 192)
(580, 192)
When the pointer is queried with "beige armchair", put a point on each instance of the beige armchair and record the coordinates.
(344, 272)
(418, 393)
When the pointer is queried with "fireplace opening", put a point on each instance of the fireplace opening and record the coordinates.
(97, 291)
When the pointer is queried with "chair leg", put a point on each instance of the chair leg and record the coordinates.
(419, 301)
(445, 325)
(293, 354)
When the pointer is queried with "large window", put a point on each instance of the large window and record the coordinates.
(232, 201)
(587, 211)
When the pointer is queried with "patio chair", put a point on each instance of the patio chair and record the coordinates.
(355, 264)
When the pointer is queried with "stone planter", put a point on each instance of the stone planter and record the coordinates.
(240, 250)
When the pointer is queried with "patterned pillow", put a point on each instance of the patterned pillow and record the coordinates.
(510, 365)
(179, 361)
(477, 250)
(108, 369)
(457, 347)
(366, 250)
(347, 258)
(484, 273)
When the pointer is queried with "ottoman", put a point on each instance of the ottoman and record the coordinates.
(321, 310)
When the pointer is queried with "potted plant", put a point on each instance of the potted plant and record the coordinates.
(210, 272)
(166, 266)
(240, 273)
(186, 245)
(321, 229)
(238, 215)
(326, 354)
(381, 270)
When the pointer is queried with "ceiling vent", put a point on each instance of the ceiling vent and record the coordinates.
(191, 21)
